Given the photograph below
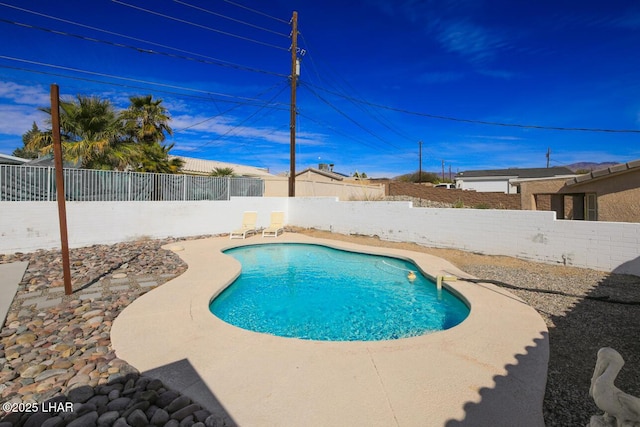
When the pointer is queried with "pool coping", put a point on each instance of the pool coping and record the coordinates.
(489, 370)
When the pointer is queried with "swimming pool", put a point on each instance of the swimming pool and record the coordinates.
(315, 292)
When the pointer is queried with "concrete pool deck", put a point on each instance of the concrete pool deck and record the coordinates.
(489, 370)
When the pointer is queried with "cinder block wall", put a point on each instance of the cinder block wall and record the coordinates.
(533, 235)
(28, 226)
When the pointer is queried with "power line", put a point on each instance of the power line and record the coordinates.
(143, 50)
(60, 67)
(339, 132)
(200, 26)
(480, 122)
(179, 94)
(256, 11)
(347, 116)
(221, 113)
(232, 19)
(243, 121)
(376, 116)
(66, 21)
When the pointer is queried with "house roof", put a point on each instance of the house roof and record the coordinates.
(205, 167)
(517, 173)
(6, 159)
(328, 174)
(605, 172)
(48, 161)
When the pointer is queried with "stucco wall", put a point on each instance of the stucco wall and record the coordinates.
(529, 188)
(350, 190)
(618, 196)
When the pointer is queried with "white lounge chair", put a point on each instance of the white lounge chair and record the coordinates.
(248, 226)
(276, 227)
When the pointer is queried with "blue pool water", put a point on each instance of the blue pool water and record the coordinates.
(319, 293)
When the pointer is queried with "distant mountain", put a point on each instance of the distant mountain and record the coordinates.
(589, 166)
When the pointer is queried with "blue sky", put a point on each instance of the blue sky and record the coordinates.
(376, 78)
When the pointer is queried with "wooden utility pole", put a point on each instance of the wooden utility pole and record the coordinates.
(62, 212)
(548, 156)
(420, 162)
(443, 170)
(292, 119)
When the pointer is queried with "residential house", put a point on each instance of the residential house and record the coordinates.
(193, 166)
(6, 159)
(324, 173)
(505, 180)
(608, 194)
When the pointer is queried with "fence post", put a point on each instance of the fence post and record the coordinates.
(48, 184)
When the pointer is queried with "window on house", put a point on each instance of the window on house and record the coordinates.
(591, 207)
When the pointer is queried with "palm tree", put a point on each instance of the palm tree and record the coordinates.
(90, 132)
(155, 158)
(146, 122)
(222, 172)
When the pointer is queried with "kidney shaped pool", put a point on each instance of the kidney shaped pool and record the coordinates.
(315, 292)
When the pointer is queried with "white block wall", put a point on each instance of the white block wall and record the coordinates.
(532, 235)
(28, 226)
(538, 236)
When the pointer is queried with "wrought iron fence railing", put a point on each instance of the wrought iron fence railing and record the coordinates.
(37, 183)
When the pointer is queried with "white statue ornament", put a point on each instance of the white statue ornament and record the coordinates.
(620, 409)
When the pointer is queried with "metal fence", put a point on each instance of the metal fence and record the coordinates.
(36, 183)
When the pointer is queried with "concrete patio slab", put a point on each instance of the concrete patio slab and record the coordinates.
(10, 276)
(489, 370)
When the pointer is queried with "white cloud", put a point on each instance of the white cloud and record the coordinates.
(200, 129)
(469, 40)
(17, 119)
(25, 95)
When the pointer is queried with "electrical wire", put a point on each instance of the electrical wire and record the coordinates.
(231, 19)
(89, 27)
(128, 79)
(480, 122)
(351, 119)
(241, 122)
(178, 94)
(339, 132)
(143, 50)
(221, 113)
(256, 11)
(371, 113)
(215, 30)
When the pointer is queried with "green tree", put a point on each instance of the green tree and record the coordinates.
(359, 175)
(90, 132)
(146, 120)
(146, 124)
(222, 172)
(96, 136)
(23, 151)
